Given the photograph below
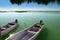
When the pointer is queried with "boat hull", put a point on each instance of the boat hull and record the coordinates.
(25, 34)
(9, 29)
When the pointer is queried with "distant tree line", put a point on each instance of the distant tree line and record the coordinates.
(19, 2)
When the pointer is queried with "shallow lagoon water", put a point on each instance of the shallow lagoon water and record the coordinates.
(51, 20)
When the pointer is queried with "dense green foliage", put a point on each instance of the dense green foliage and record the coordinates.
(19, 2)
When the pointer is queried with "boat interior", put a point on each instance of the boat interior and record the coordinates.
(7, 26)
(29, 33)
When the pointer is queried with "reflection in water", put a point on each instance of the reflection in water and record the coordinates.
(9, 36)
(19, 2)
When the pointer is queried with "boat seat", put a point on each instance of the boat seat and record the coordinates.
(11, 23)
(31, 31)
(37, 25)
(6, 26)
(34, 29)
(3, 29)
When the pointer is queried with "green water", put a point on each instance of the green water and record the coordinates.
(51, 20)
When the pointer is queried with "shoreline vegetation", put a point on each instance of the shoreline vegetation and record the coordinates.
(29, 11)
(45, 2)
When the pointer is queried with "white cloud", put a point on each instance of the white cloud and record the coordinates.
(28, 9)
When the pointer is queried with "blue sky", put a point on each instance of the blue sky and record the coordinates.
(6, 5)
